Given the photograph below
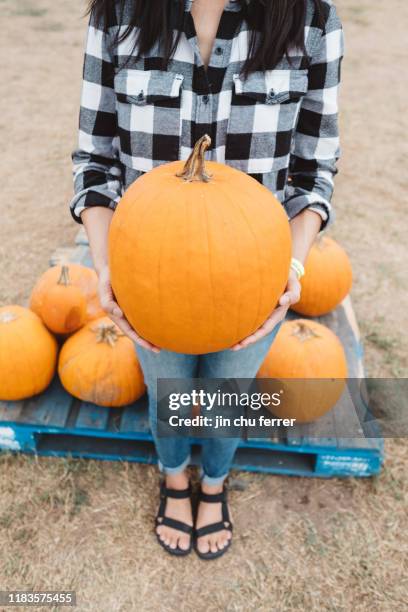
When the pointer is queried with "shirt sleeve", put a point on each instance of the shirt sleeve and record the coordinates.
(96, 168)
(316, 148)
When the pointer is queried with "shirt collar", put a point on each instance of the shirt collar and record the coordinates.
(232, 5)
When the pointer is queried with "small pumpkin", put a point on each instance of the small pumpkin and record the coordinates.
(327, 280)
(199, 256)
(81, 277)
(28, 354)
(98, 364)
(311, 353)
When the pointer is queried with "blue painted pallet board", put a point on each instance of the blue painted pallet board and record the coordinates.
(56, 424)
(63, 426)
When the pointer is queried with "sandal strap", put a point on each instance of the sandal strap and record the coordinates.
(161, 519)
(225, 513)
(213, 528)
(177, 525)
(175, 493)
(216, 498)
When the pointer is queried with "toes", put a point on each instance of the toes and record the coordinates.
(221, 540)
(163, 534)
(213, 544)
(173, 539)
(221, 543)
(160, 533)
(184, 542)
(203, 545)
(173, 543)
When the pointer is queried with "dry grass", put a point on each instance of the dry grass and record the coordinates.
(300, 544)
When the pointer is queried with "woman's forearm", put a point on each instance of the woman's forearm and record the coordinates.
(304, 227)
(97, 220)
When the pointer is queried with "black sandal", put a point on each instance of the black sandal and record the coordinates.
(161, 519)
(214, 527)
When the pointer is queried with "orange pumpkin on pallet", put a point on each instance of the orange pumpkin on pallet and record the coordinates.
(313, 355)
(98, 364)
(28, 354)
(198, 256)
(66, 297)
(327, 280)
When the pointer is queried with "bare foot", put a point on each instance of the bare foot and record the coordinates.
(178, 509)
(207, 515)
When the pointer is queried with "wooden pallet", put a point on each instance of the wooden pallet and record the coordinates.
(56, 424)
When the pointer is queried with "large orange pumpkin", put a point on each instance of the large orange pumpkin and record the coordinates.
(81, 278)
(327, 279)
(198, 257)
(28, 354)
(98, 364)
(313, 355)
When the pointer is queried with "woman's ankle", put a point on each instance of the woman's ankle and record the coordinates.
(212, 489)
(178, 481)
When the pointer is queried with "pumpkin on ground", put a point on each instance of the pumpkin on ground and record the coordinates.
(198, 256)
(327, 279)
(313, 355)
(28, 354)
(98, 364)
(63, 288)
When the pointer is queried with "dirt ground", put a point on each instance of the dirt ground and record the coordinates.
(300, 544)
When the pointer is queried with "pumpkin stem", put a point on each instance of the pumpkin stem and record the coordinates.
(7, 317)
(303, 332)
(194, 168)
(64, 277)
(107, 333)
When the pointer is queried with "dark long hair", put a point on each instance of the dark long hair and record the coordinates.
(276, 25)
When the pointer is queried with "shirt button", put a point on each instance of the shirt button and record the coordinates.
(206, 99)
(218, 51)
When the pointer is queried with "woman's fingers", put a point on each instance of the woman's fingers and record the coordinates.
(112, 309)
(278, 315)
(289, 298)
(106, 298)
(124, 326)
(292, 293)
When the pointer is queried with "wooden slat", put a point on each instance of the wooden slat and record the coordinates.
(373, 427)
(339, 323)
(319, 432)
(81, 237)
(50, 408)
(296, 435)
(349, 432)
(351, 317)
(135, 418)
(70, 255)
(86, 259)
(91, 416)
(10, 411)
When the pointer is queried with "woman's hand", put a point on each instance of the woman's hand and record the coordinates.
(97, 220)
(291, 296)
(304, 228)
(112, 309)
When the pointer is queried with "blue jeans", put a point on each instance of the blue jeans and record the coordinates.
(216, 453)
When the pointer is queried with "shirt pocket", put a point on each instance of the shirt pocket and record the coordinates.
(263, 117)
(148, 116)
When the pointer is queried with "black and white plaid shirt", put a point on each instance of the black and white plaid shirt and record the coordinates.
(279, 126)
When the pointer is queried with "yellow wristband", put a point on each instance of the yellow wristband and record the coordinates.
(298, 267)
